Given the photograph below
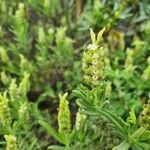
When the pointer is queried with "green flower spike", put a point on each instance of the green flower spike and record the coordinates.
(5, 114)
(80, 119)
(93, 60)
(144, 118)
(23, 111)
(24, 86)
(129, 67)
(11, 142)
(20, 13)
(13, 90)
(64, 121)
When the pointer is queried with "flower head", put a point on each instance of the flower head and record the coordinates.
(64, 121)
(93, 61)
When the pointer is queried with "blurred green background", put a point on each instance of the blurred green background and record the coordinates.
(41, 47)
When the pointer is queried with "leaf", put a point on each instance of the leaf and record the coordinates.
(141, 146)
(138, 133)
(51, 131)
(118, 123)
(93, 37)
(132, 118)
(73, 135)
(79, 94)
(86, 105)
(99, 35)
(33, 144)
(17, 124)
(123, 146)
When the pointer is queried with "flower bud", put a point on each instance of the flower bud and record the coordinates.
(93, 61)
(64, 121)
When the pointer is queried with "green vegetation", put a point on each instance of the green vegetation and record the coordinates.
(75, 74)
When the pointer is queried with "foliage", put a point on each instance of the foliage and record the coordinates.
(45, 50)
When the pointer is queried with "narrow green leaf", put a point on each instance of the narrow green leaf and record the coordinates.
(117, 121)
(132, 118)
(99, 36)
(138, 133)
(33, 144)
(51, 131)
(93, 37)
(79, 94)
